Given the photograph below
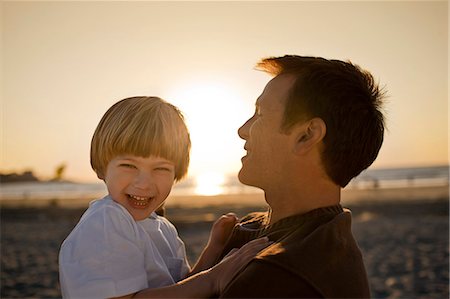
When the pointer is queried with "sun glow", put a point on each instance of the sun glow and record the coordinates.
(213, 113)
(210, 183)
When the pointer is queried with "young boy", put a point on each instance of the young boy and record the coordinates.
(121, 247)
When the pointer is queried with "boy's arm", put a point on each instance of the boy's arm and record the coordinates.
(220, 233)
(209, 282)
(199, 285)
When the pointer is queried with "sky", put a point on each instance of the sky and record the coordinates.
(63, 64)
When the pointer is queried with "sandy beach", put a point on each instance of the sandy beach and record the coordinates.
(403, 234)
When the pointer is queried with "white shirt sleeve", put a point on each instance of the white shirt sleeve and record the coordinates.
(179, 264)
(102, 257)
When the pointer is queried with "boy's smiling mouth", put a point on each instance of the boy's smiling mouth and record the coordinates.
(138, 202)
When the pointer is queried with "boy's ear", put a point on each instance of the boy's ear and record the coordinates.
(309, 134)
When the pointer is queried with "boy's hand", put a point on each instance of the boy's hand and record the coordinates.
(221, 231)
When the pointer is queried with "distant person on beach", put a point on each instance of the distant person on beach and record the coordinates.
(316, 126)
(121, 247)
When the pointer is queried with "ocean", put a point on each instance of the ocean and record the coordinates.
(371, 178)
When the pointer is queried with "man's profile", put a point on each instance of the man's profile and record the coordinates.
(316, 126)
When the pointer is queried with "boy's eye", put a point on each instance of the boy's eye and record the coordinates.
(163, 169)
(126, 165)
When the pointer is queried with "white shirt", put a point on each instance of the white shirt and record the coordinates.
(109, 254)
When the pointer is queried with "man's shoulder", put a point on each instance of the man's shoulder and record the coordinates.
(334, 232)
(327, 239)
(328, 257)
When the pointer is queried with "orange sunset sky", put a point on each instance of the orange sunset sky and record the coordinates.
(65, 63)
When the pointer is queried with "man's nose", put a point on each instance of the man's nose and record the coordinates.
(244, 129)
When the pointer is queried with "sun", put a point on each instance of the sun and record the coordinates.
(210, 183)
(213, 112)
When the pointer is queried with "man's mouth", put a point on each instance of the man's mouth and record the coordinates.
(246, 153)
(246, 149)
(139, 202)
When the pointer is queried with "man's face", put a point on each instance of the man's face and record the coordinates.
(267, 146)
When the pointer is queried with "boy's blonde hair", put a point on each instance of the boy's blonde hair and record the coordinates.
(141, 126)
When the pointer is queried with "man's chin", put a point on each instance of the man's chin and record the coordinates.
(241, 177)
(245, 179)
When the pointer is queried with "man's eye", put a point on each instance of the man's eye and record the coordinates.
(163, 169)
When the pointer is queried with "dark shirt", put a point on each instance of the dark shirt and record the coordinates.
(314, 255)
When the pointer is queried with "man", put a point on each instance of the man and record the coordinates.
(316, 126)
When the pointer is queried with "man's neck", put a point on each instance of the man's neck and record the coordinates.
(295, 202)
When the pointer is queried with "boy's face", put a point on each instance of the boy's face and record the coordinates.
(139, 184)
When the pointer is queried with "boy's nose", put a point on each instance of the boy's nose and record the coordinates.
(143, 181)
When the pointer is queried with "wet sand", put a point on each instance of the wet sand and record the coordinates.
(405, 242)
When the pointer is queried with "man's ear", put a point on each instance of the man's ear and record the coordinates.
(309, 134)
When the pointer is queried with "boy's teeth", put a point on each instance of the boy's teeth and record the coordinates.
(138, 200)
(138, 197)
